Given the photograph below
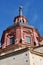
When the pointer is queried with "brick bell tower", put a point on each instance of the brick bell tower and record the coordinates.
(20, 33)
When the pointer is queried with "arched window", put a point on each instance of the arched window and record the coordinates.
(20, 20)
(34, 43)
(12, 40)
(27, 39)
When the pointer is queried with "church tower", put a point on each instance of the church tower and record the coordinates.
(20, 33)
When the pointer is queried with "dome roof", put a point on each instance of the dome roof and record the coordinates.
(20, 18)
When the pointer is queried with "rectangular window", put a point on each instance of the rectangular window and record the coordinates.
(27, 39)
(12, 40)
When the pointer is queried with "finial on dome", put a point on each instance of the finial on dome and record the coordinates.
(20, 11)
(20, 17)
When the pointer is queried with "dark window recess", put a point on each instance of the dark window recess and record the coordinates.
(26, 60)
(12, 40)
(23, 21)
(20, 40)
(26, 54)
(35, 43)
(13, 58)
(20, 20)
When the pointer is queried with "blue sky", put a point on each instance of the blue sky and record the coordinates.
(32, 9)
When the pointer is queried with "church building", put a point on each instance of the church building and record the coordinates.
(21, 43)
